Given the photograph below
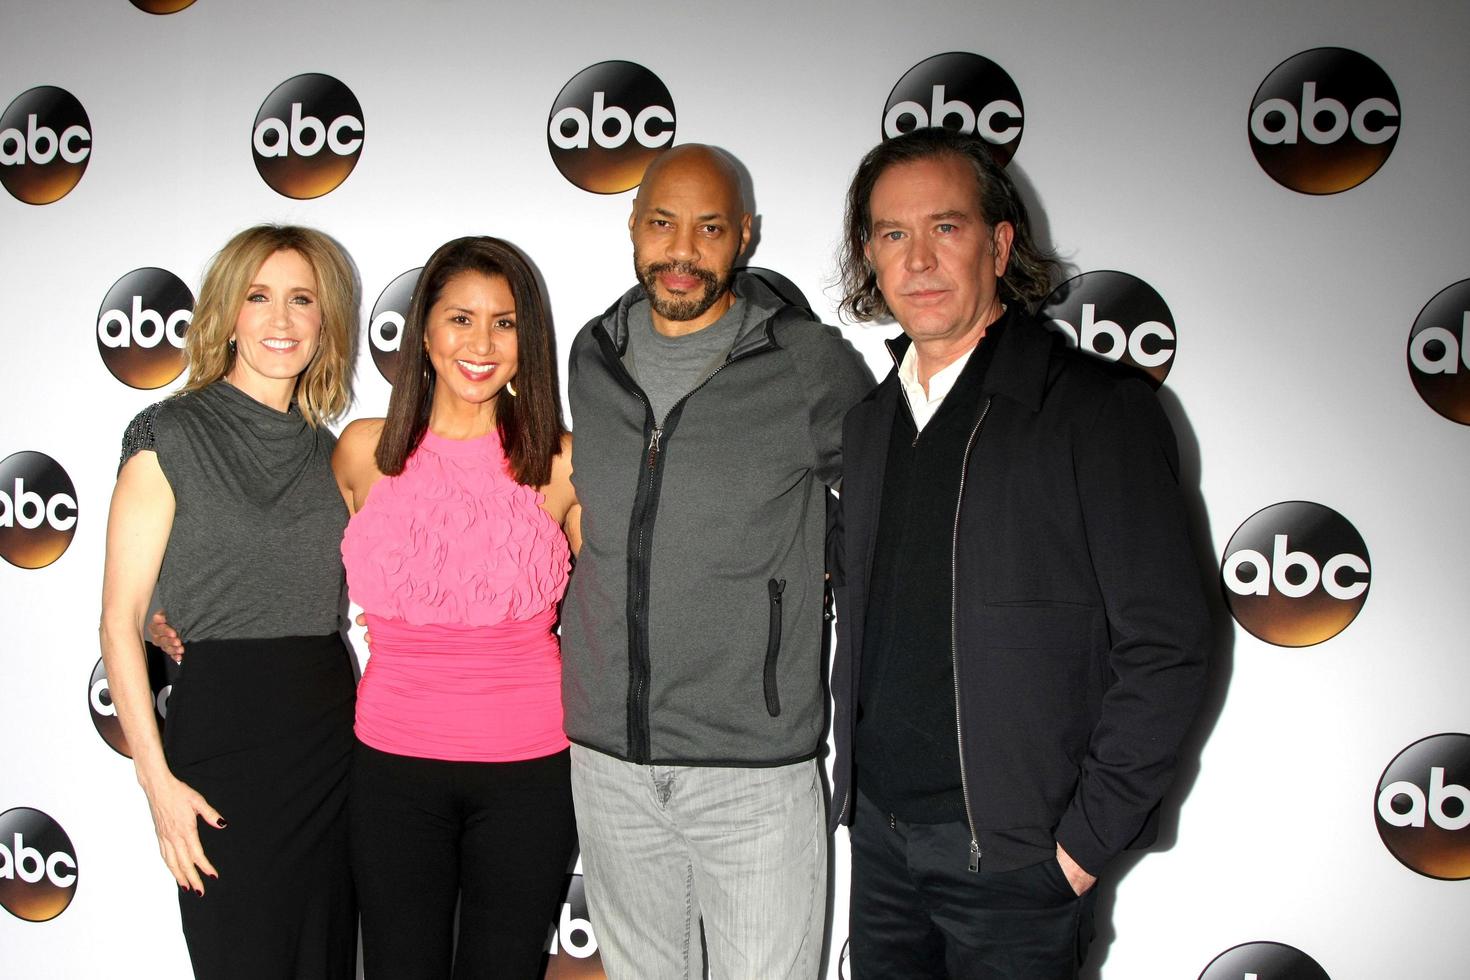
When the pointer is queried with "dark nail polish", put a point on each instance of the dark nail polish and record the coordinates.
(223, 823)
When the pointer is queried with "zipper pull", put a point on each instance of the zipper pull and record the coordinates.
(653, 446)
(974, 855)
(775, 587)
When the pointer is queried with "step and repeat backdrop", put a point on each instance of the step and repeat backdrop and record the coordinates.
(1261, 206)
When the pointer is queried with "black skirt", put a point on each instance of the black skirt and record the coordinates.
(263, 729)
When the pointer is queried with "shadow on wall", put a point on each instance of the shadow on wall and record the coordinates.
(1222, 664)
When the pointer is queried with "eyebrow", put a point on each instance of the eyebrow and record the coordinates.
(709, 216)
(493, 315)
(950, 215)
(292, 289)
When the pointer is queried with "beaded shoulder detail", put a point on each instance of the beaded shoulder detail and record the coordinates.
(139, 436)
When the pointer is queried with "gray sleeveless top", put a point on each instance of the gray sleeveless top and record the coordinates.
(255, 549)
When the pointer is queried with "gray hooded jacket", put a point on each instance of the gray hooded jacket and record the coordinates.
(693, 630)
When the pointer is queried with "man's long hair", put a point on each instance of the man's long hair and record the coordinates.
(1028, 274)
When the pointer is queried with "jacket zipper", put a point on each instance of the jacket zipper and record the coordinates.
(954, 649)
(640, 747)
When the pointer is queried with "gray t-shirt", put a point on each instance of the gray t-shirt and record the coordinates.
(255, 547)
(668, 368)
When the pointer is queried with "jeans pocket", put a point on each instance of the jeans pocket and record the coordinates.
(1058, 879)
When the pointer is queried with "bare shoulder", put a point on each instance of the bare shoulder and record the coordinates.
(362, 431)
(355, 459)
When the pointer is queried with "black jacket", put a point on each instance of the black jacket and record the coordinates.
(1080, 630)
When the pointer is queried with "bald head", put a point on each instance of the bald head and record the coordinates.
(706, 166)
(688, 225)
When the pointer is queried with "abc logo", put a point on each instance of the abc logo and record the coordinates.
(38, 866)
(45, 143)
(161, 6)
(607, 124)
(140, 327)
(385, 330)
(572, 945)
(38, 510)
(1423, 806)
(1116, 316)
(308, 136)
(1324, 121)
(1439, 352)
(161, 670)
(781, 286)
(962, 91)
(1295, 574)
(1263, 961)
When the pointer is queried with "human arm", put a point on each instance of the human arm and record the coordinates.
(138, 526)
(1126, 466)
(354, 461)
(559, 497)
(835, 377)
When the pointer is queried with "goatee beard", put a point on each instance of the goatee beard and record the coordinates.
(683, 307)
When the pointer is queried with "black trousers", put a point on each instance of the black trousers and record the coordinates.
(263, 729)
(494, 837)
(917, 911)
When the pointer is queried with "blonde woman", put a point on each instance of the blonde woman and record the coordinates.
(225, 501)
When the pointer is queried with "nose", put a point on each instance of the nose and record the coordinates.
(681, 245)
(482, 339)
(920, 254)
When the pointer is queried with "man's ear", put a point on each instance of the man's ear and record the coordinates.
(1000, 244)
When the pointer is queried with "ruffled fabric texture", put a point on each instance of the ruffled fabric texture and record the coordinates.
(453, 539)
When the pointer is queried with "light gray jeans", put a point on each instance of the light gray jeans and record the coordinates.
(664, 847)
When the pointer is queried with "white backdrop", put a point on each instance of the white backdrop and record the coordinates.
(1289, 382)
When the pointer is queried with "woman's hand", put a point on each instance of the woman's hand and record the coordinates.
(177, 808)
(162, 635)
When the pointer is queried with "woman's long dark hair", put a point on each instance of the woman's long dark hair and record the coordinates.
(530, 423)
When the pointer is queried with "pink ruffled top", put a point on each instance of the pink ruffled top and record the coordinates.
(459, 571)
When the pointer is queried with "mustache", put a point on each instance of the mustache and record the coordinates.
(682, 269)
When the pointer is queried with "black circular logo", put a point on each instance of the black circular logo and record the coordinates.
(1423, 806)
(1439, 352)
(45, 144)
(1324, 121)
(38, 865)
(960, 91)
(1115, 316)
(161, 671)
(385, 330)
(162, 6)
(141, 326)
(607, 124)
(38, 509)
(308, 135)
(1265, 961)
(1295, 573)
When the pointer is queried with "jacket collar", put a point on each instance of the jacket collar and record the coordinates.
(762, 304)
(1021, 360)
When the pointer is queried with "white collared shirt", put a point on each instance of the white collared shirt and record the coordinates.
(923, 405)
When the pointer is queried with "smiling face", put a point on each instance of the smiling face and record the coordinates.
(470, 337)
(688, 228)
(936, 260)
(277, 329)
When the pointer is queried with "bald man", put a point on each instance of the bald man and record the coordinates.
(708, 416)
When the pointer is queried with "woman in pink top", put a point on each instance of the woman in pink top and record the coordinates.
(457, 550)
